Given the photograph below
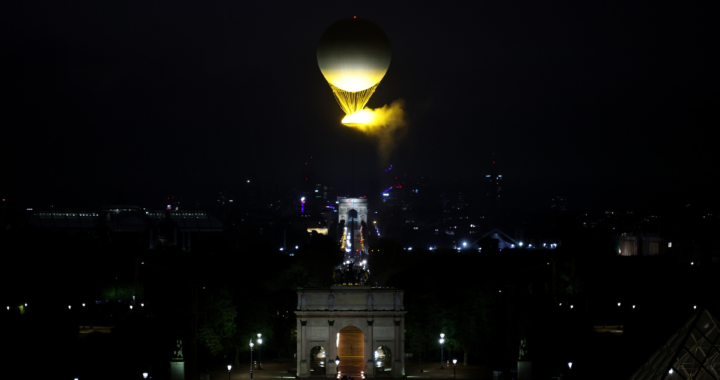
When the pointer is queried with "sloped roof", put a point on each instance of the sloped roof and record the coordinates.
(505, 241)
(692, 353)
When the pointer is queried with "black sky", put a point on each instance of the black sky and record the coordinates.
(609, 104)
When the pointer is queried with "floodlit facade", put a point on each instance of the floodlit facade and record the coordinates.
(357, 324)
(352, 219)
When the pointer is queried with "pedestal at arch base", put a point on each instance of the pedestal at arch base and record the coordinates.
(303, 369)
(524, 370)
(177, 370)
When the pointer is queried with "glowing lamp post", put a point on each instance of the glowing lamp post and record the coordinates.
(337, 365)
(145, 375)
(442, 343)
(251, 362)
(454, 365)
(569, 365)
(259, 340)
(229, 368)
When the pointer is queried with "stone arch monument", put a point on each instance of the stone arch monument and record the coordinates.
(322, 320)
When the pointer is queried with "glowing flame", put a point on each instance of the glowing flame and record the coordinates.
(358, 119)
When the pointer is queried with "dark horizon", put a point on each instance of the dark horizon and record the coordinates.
(610, 107)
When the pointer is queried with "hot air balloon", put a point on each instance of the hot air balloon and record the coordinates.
(353, 56)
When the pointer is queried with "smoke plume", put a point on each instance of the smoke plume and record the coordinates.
(386, 124)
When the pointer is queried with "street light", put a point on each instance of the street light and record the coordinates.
(337, 365)
(454, 365)
(229, 368)
(442, 342)
(259, 351)
(569, 365)
(251, 362)
(145, 375)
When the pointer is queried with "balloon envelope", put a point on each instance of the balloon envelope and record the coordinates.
(353, 54)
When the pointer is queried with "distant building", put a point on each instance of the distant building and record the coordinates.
(559, 203)
(353, 225)
(493, 184)
(148, 229)
(642, 244)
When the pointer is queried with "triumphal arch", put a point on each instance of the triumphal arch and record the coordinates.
(363, 326)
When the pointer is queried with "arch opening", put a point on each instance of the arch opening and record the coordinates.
(382, 357)
(351, 351)
(318, 356)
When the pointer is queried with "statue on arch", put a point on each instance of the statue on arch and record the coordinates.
(523, 350)
(178, 351)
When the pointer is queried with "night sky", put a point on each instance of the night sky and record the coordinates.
(612, 105)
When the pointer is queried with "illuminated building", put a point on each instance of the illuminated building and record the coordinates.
(353, 226)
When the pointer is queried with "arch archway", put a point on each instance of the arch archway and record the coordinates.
(317, 360)
(351, 351)
(382, 358)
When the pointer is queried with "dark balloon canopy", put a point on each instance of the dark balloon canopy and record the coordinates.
(354, 54)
